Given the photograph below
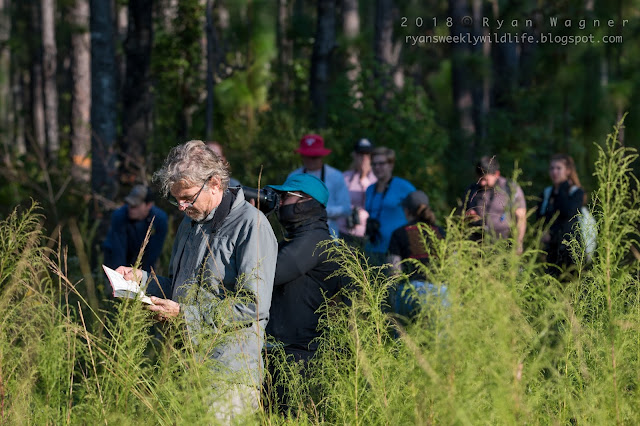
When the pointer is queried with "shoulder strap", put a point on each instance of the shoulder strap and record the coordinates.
(545, 199)
(573, 190)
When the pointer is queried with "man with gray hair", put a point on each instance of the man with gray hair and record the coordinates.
(221, 270)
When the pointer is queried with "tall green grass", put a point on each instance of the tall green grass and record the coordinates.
(508, 344)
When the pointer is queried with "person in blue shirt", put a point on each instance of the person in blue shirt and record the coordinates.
(128, 228)
(383, 202)
(312, 151)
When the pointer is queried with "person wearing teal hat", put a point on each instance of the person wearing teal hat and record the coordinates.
(308, 184)
(302, 281)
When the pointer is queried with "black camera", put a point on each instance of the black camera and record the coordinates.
(354, 218)
(266, 199)
(372, 230)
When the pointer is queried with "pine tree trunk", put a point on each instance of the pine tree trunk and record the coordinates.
(323, 46)
(103, 102)
(285, 53)
(49, 55)
(465, 130)
(38, 135)
(6, 119)
(387, 53)
(351, 29)
(212, 62)
(81, 92)
(136, 97)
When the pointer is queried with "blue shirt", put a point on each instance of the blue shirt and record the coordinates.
(386, 207)
(125, 237)
(339, 203)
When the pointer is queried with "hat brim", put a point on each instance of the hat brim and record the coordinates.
(283, 188)
(133, 202)
(311, 152)
(363, 150)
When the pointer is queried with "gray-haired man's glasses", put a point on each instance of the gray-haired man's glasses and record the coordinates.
(187, 204)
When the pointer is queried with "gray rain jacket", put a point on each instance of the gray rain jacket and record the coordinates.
(224, 282)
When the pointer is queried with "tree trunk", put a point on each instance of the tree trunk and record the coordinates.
(285, 53)
(387, 53)
(19, 98)
(460, 80)
(351, 29)
(38, 134)
(50, 65)
(103, 103)
(323, 45)
(136, 97)
(81, 92)
(121, 27)
(212, 62)
(6, 119)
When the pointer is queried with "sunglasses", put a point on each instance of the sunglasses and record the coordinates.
(379, 163)
(187, 204)
(293, 194)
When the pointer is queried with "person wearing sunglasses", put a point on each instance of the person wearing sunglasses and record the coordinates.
(302, 283)
(220, 274)
(383, 201)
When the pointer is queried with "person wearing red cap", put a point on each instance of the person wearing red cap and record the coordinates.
(312, 151)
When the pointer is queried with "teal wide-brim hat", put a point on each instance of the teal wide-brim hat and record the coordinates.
(309, 184)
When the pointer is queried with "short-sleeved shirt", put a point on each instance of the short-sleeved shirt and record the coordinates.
(386, 207)
(357, 188)
(496, 205)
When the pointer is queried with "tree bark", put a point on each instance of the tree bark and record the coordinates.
(81, 92)
(19, 94)
(461, 84)
(38, 134)
(212, 61)
(50, 65)
(285, 53)
(387, 53)
(351, 29)
(6, 118)
(136, 97)
(323, 46)
(103, 103)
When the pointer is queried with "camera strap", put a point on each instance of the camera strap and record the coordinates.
(304, 170)
(384, 194)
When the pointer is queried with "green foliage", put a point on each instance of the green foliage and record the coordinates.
(504, 343)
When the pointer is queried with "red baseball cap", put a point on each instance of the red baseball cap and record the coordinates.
(312, 145)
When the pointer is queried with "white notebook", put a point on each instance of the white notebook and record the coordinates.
(124, 288)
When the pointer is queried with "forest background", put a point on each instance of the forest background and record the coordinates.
(93, 94)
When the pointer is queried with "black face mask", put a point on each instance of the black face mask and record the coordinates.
(293, 215)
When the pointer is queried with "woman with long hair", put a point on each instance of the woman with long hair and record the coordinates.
(560, 204)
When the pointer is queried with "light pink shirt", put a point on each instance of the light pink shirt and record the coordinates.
(357, 188)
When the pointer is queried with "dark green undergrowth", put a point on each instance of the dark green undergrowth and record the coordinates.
(501, 342)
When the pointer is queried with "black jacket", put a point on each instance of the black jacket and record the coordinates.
(566, 206)
(300, 285)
